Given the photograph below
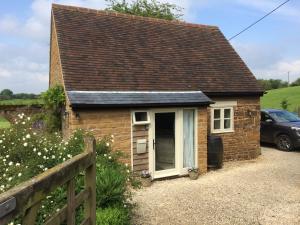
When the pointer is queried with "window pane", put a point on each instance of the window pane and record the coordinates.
(217, 113)
(188, 138)
(227, 123)
(217, 124)
(141, 116)
(227, 113)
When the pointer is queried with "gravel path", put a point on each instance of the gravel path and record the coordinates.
(261, 191)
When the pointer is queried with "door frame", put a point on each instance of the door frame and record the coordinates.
(178, 170)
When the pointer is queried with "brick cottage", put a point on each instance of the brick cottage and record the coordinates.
(160, 87)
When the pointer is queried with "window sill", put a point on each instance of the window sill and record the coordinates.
(222, 131)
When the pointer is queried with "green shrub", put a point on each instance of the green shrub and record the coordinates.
(54, 101)
(113, 216)
(25, 152)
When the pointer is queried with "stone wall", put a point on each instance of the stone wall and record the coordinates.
(55, 65)
(104, 122)
(202, 139)
(244, 142)
(10, 112)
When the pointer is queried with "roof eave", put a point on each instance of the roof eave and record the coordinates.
(101, 106)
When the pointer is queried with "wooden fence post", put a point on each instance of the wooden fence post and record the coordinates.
(90, 182)
(71, 202)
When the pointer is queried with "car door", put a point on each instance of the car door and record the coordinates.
(266, 128)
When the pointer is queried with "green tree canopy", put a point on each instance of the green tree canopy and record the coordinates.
(146, 8)
(6, 93)
(296, 82)
(272, 84)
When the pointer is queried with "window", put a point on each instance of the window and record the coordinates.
(222, 119)
(140, 118)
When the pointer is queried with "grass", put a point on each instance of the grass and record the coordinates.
(21, 102)
(274, 97)
(4, 123)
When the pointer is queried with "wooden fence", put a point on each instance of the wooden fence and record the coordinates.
(25, 199)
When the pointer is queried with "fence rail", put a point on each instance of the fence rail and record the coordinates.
(25, 199)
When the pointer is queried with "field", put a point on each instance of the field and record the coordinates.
(274, 97)
(4, 123)
(21, 102)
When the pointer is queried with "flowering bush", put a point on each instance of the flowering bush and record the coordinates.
(25, 152)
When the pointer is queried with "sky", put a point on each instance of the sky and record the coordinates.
(271, 48)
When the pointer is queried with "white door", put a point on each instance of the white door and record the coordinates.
(173, 142)
(164, 144)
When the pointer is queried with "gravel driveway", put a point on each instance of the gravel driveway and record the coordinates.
(261, 191)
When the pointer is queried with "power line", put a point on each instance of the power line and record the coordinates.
(251, 25)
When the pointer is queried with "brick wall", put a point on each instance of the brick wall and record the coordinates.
(106, 122)
(244, 142)
(202, 140)
(55, 65)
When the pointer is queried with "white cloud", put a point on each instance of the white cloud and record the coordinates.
(4, 72)
(268, 61)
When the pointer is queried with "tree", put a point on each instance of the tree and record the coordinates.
(296, 82)
(272, 83)
(6, 93)
(151, 8)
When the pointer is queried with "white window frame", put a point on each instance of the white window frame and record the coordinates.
(222, 106)
(140, 122)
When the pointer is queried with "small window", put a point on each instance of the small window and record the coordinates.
(140, 118)
(222, 120)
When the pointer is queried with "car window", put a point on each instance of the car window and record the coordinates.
(265, 117)
(284, 116)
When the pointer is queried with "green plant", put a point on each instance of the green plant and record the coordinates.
(113, 216)
(284, 104)
(146, 8)
(54, 102)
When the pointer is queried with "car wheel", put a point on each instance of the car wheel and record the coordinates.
(284, 142)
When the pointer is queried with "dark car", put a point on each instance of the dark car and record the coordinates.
(280, 127)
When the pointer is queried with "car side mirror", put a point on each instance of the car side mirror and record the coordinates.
(269, 121)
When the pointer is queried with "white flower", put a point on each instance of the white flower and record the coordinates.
(109, 157)
(105, 155)
(107, 144)
(10, 178)
(23, 122)
(112, 136)
(28, 136)
(25, 144)
(34, 149)
(34, 133)
(4, 160)
(19, 174)
(126, 164)
(39, 153)
(7, 156)
(10, 163)
(44, 157)
(18, 164)
(128, 171)
(1, 141)
(28, 118)
(53, 157)
(70, 156)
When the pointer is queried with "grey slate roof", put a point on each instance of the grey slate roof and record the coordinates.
(80, 99)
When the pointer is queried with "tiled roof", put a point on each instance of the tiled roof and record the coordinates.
(106, 51)
(136, 98)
